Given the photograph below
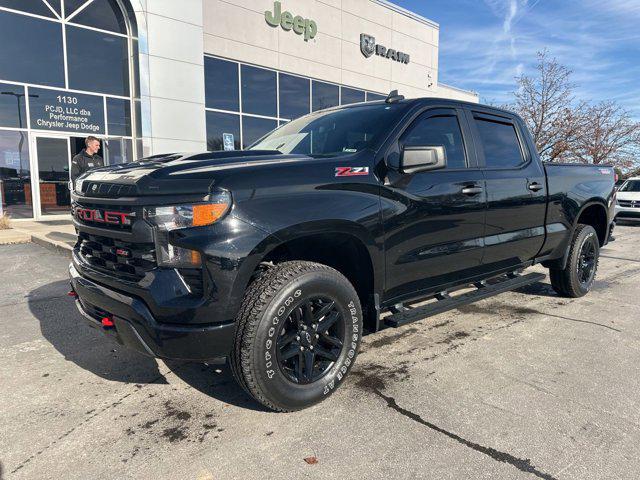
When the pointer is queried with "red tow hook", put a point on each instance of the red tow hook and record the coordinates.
(73, 294)
(107, 322)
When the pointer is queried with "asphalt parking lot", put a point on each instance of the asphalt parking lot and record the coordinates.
(522, 385)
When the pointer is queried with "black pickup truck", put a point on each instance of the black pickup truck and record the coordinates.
(281, 256)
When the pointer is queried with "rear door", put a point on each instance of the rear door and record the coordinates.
(433, 220)
(515, 187)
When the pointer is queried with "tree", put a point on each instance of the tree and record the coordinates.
(547, 104)
(567, 129)
(609, 135)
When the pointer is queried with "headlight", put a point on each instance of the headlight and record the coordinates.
(79, 183)
(173, 217)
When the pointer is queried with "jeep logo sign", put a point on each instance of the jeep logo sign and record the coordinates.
(288, 22)
(368, 47)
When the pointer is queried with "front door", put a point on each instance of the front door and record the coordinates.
(434, 220)
(50, 179)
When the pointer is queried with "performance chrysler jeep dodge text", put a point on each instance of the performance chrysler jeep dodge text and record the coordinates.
(281, 256)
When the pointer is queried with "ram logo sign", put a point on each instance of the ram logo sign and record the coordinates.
(368, 47)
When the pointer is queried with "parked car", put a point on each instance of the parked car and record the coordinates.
(280, 257)
(628, 200)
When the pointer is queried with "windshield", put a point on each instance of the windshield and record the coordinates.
(631, 186)
(334, 132)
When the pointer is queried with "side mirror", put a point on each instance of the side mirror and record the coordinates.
(423, 158)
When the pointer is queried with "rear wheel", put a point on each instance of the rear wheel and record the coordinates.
(298, 334)
(576, 279)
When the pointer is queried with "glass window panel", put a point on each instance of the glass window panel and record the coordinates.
(258, 91)
(325, 95)
(15, 175)
(66, 111)
(221, 84)
(31, 50)
(53, 169)
(351, 95)
(138, 106)
(500, 144)
(294, 96)
(71, 6)
(255, 128)
(98, 62)
(119, 116)
(118, 150)
(217, 125)
(31, 6)
(372, 97)
(103, 14)
(438, 131)
(55, 4)
(13, 112)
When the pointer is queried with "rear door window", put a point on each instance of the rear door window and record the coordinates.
(499, 142)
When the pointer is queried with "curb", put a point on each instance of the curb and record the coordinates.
(60, 248)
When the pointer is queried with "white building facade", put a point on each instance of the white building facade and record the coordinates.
(156, 76)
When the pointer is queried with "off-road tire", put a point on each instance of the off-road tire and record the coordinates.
(566, 282)
(268, 304)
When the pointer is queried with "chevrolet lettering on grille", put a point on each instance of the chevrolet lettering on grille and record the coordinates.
(103, 216)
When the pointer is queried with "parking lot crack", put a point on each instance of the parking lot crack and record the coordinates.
(524, 465)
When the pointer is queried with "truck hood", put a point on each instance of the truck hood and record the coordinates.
(173, 174)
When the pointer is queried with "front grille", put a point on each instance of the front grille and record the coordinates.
(130, 261)
(193, 278)
(117, 209)
(629, 203)
(107, 190)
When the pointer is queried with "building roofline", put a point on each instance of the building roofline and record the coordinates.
(458, 89)
(407, 13)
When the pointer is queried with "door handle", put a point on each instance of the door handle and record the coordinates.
(472, 190)
(535, 187)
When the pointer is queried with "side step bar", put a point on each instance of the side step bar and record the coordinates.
(445, 302)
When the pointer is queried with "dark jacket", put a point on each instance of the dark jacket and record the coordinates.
(83, 162)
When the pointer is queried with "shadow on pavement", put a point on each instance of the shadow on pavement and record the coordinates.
(214, 381)
(538, 289)
(63, 326)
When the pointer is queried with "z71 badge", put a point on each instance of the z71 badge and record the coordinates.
(351, 171)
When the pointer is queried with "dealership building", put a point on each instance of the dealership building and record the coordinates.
(156, 76)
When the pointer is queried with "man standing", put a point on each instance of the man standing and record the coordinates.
(87, 159)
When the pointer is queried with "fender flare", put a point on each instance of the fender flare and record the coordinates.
(565, 257)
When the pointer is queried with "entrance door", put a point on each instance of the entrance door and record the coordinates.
(50, 179)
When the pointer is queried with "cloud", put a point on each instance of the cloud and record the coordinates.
(598, 40)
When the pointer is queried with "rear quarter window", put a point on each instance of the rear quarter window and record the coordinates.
(500, 144)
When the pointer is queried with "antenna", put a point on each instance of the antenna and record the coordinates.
(393, 97)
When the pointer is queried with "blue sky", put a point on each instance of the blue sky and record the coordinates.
(484, 44)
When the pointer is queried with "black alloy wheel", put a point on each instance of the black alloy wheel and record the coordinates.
(310, 340)
(578, 275)
(587, 262)
(298, 333)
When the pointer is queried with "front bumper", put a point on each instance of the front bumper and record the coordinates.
(136, 328)
(628, 213)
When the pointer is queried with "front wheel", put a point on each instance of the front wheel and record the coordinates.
(298, 334)
(576, 279)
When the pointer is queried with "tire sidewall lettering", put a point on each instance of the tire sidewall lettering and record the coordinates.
(341, 367)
